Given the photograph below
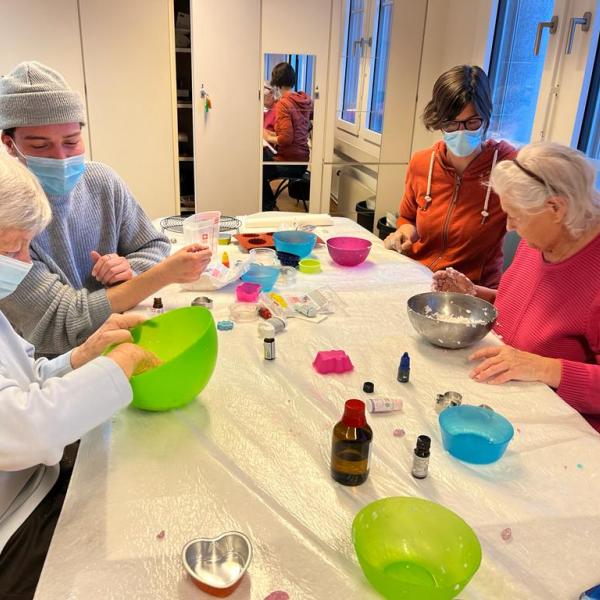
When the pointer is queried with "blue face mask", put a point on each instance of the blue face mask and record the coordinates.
(58, 176)
(12, 272)
(463, 142)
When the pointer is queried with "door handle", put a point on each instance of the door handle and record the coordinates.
(551, 25)
(585, 23)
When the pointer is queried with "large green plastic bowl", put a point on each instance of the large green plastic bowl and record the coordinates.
(185, 340)
(413, 549)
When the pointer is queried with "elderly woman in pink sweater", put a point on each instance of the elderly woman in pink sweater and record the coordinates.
(548, 301)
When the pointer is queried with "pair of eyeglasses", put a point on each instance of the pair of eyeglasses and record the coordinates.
(472, 124)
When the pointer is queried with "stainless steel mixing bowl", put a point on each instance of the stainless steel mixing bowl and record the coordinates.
(451, 320)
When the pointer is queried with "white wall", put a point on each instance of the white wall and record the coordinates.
(127, 49)
(44, 31)
(226, 61)
(456, 32)
(123, 56)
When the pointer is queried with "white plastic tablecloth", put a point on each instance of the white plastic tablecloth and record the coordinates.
(252, 454)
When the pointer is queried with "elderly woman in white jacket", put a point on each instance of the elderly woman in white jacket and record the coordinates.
(47, 404)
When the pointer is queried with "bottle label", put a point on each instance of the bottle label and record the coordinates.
(378, 405)
(420, 467)
(350, 462)
(269, 350)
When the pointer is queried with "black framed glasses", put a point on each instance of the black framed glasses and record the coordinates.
(472, 124)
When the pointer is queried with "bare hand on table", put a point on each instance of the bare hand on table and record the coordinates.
(110, 269)
(402, 239)
(504, 363)
(451, 280)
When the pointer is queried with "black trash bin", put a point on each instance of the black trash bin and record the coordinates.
(365, 217)
(384, 228)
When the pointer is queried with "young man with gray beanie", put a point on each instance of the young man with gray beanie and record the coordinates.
(99, 235)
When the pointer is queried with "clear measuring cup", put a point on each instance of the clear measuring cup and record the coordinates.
(203, 228)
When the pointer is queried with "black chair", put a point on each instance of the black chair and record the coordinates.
(298, 189)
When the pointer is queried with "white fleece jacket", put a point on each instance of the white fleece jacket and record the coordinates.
(44, 406)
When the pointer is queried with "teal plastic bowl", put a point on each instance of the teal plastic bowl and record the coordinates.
(300, 243)
(414, 549)
(475, 434)
(263, 276)
(185, 340)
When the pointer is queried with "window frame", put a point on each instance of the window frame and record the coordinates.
(349, 47)
(358, 133)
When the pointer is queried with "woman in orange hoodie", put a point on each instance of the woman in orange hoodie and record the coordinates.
(449, 215)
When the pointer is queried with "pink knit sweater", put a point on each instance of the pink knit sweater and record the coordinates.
(553, 309)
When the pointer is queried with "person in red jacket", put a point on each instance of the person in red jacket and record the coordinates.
(292, 125)
(449, 215)
(548, 301)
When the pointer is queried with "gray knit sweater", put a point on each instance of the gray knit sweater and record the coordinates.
(59, 304)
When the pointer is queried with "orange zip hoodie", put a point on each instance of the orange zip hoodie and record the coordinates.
(450, 228)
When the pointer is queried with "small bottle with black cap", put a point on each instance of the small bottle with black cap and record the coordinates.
(420, 466)
(368, 387)
(269, 346)
(157, 306)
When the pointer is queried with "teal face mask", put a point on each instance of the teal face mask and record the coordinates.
(12, 272)
(463, 142)
(58, 176)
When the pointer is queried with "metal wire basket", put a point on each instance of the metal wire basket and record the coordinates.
(175, 224)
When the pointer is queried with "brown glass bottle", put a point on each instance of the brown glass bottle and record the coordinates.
(351, 445)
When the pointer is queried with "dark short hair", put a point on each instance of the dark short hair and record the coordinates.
(283, 75)
(453, 90)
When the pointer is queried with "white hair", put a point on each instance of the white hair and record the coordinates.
(563, 171)
(23, 204)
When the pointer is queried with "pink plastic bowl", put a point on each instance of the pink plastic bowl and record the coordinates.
(348, 251)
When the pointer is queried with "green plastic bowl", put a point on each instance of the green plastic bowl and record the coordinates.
(185, 340)
(414, 549)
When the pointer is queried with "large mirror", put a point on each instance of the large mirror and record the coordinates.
(288, 113)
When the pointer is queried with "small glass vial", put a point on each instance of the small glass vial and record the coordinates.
(157, 306)
(420, 466)
(351, 445)
(269, 345)
(404, 368)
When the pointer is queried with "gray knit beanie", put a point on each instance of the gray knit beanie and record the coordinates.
(34, 94)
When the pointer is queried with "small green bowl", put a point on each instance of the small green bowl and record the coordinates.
(185, 340)
(414, 549)
(309, 266)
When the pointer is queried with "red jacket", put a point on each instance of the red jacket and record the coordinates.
(450, 228)
(292, 124)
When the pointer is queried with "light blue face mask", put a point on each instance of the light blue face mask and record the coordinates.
(12, 272)
(58, 176)
(463, 142)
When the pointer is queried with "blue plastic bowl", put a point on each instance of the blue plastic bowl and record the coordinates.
(265, 276)
(475, 434)
(300, 243)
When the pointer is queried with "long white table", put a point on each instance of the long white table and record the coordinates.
(252, 454)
